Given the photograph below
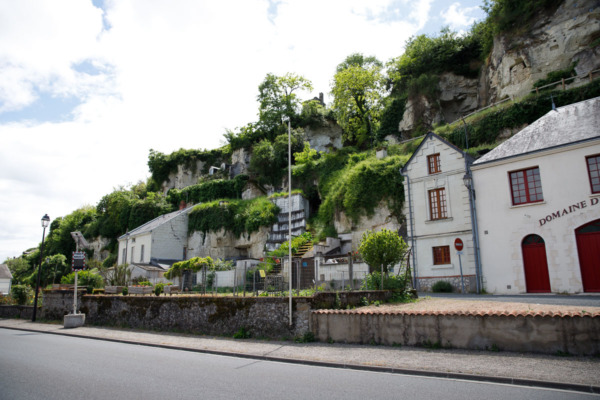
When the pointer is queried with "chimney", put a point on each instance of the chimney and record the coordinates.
(321, 98)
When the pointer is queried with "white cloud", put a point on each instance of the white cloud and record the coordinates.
(457, 17)
(168, 75)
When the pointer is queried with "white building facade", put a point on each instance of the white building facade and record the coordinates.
(163, 238)
(538, 205)
(438, 209)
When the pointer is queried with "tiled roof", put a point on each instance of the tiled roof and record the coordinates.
(156, 222)
(464, 313)
(566, 125)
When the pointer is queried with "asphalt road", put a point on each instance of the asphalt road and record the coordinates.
(583, 300)
(41, 366)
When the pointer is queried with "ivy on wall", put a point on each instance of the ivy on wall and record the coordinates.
(209, 191)
(236, 216)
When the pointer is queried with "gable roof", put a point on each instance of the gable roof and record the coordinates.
(5, 272)
(441, 139)
(155, 223)
(567, 125)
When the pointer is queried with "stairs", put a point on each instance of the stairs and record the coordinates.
(305, 248)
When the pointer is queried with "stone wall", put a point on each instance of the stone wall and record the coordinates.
(425, 284)
(538, 333)
(23, 312)
(261, 316)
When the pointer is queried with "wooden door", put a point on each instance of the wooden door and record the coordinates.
(588, 248)
(535, 263)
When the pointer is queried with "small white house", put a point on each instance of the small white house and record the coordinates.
(538, 205)
(5, 279)
(438, 212)
(165, 239)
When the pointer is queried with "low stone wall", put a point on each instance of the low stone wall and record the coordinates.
(426, 283)
(23, 312)
(540, 333)
(261, 316)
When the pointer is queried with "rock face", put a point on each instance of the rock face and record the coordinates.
(223, 244)
(240, 161)
(382, 218)
(554, 43)
(183, 177)
(324, 138)
(98, 244)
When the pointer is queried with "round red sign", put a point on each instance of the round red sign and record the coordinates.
(458, 244)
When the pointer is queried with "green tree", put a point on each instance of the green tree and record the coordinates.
(20, 269)
(276, 98)
(358, 90)
(54, 268)
(382, 249)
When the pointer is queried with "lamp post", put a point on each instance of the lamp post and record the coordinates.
(285, 118)
(45, 223)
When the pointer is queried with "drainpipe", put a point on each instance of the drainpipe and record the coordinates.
(412, 231)
(473, 210)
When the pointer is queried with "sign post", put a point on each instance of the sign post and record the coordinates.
(458, 245)
(77, 264)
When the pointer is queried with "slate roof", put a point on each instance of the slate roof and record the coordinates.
(5, 272)
(575, 123)
(156, 222)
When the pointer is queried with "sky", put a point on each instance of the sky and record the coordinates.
(88, 87)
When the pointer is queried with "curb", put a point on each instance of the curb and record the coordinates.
(401, 371)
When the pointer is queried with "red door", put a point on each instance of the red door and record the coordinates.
(537, 278)
(588, 247)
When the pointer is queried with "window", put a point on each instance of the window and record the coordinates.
(437, 204)
(132, 251)
(433, 161)
(593, 165)
(526, 186)
(124, 258)
(142, 254)
(441, 255)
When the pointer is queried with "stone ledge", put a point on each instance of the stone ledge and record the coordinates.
(552, 314)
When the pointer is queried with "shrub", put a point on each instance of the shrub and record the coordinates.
(90, 279)
(372, 281)
(442, 287)
(125, 291)
(242, 333)
(21, 294)
(159, 288)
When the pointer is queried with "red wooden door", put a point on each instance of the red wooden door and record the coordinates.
(537, 278)
(588, 247)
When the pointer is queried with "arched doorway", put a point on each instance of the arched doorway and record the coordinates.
(588, 248)
(537, 278)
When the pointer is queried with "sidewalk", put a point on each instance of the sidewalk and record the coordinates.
(570, 372)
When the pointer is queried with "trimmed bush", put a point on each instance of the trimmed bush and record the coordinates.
(442, 287)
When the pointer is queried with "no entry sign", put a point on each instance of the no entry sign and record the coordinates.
(458, 244)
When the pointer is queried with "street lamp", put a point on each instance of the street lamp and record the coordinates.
(45, 223)
(285, 118)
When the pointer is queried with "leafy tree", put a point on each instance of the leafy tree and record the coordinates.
(54, 268)
(20, 269)
(59, 240)
(384, 248)
(276, 98)
(358, 90)
(269, 159)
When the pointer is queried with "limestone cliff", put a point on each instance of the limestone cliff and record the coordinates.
(555, 42)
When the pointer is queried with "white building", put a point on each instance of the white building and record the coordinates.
(538, 205)
(159, 242)
(438, 209)
(5, 280)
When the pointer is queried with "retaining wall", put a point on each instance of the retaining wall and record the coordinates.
(23, 312)
(540, 332)
(261, 316)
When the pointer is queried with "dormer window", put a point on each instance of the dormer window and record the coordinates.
(433, 162)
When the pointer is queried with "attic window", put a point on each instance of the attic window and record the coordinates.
(433, 162)
(593, 164)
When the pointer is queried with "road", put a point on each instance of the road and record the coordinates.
(41, 366)
(582, 300)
